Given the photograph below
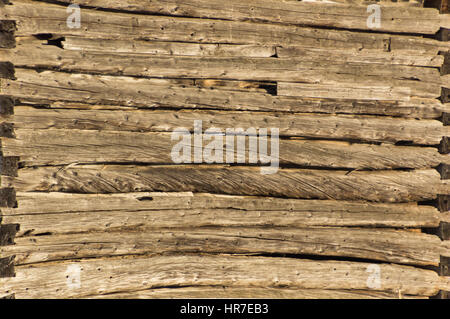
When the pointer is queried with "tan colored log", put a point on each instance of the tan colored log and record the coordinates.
(405, 19)
(49, 212)
(50, 87)
(175, 48)
(54, 212)
(218, 50)
(364, 128)
(361, 56)
(245, 292)
(61, 146)
(416, 108)
(395, 246)
(348, 89)
(98, 24)
(385, 186)
(423, 82)
(102, 276)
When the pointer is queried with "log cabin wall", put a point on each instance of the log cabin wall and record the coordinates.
(94, 206)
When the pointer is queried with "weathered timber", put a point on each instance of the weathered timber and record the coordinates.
(56, 87)
(100, 24)
(423, 82)
(184, 48)
(346, 89)
(59, 146)
(405, 19)
(102, 276)
(385, 186)
(145, 48)
(6, 268)
(205, 292)
(361, 56)
(7, 233)
(164, 205)
(348, 127)
(50, 212)
(397, 246)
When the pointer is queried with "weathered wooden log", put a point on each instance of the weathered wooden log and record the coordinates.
(257, 51)
(206, 292)
(386, 245)
(62, 90)
(184, 48)
(360, 56)
(385, 186)
(405, 19)
(102, 276)
(99, 24)
(61, 146)
(50, 212)
(411, 80)
(337, 127)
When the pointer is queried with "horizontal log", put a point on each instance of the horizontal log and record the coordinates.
(405, 19)
(384, 186)
(61, 146)
(394, 246)
(206, 292)
(423, 82)
(257, 51)
(347, 89)
(54, 212)
(361, 56)
(101, 24)
(100, 276)
(180, 48)
(348, 127)
(57, 87)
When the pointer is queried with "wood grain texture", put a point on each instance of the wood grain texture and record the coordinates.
(253, 292)
(405, 19)
(100, 276)
(410, 80)
(403, 247)
(384, 186)
(53, 212)
(79, 91)
(61, 146)
(99, 24)
(337, 127)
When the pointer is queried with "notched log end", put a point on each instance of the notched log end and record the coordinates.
(444, 146)
(6, 106)
(7, 130)
(7, 267)
(8, 197)
(9, 166)
(8, 233)
(7, 70)
(444, 170)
